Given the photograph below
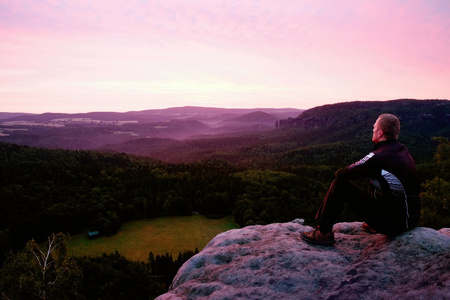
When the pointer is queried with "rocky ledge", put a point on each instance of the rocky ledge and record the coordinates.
(273, 262)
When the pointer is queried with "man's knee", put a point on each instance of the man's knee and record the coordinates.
(343, 186)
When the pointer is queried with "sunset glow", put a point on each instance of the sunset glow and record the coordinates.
(80, 55)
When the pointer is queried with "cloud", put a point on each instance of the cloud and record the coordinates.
(289, 51)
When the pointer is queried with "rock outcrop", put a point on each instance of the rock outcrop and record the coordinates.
(272, 262)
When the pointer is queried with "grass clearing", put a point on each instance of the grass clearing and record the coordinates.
(136, 239)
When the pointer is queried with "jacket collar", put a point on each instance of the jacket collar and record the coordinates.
(379, 144)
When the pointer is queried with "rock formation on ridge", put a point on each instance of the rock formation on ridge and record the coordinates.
(272, 262)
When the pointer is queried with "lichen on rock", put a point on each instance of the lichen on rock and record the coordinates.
(273, 262)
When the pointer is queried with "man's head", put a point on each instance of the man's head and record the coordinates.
(385, 128)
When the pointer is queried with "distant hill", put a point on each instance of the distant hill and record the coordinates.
(253, 121)
(8, 115)
(413, 113)
(331, 134)
(353, 121)
(255, 117)
(99, 129)
(204, 114)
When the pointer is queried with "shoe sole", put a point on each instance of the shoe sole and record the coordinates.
(368, 229)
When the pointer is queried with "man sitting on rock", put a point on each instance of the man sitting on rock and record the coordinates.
(392, 205)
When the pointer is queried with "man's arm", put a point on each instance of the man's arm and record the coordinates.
(364, 168)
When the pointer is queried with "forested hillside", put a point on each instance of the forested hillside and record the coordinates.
(317, 136)
(261, 178)
(44, 191)
(352, 122)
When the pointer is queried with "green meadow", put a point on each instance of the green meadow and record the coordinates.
(136, 239)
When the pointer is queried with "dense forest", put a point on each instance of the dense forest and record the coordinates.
(43, 192)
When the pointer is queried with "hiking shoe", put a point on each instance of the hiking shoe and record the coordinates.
(318, 238)
(367, 228)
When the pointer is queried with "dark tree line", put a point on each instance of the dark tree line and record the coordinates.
(45, 191)
(47, 272)
(112, 276)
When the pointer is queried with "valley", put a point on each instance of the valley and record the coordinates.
(140, 182)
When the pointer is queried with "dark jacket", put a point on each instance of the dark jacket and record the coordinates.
(395, 186)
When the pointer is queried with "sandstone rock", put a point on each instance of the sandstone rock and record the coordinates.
(272, 262)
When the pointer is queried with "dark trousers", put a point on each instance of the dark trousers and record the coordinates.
(385, 214)
(340, 193)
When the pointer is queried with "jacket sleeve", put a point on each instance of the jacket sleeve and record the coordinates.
(364, 168)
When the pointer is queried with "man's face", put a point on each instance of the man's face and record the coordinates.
(377, 132)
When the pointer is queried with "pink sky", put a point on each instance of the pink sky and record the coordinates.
(107, 55)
